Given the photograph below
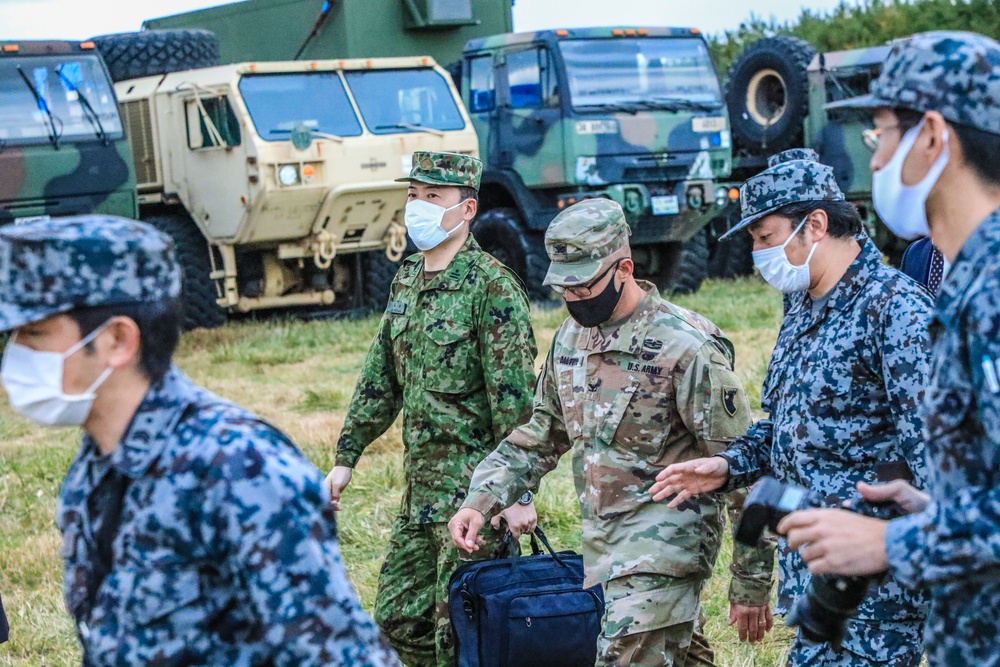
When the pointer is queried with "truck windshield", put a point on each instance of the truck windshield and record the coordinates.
(404, 100)
(668, 72)
(51, 93)
(278, 103)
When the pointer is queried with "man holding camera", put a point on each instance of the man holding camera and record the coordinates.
(842, 389)
(938, 128)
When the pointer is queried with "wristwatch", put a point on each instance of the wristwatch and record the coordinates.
(526, 498)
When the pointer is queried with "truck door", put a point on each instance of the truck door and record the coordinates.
(529, 134)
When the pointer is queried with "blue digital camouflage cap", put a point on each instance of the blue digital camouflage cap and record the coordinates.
(582, 239)
(792, 176)
(954, 73)
(53, 266)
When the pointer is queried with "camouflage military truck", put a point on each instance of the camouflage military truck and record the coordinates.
(276, 179)
(629, 114)
(632, 114)
(776, 92)
(62, 147)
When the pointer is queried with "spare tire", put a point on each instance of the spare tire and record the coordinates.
(131, 55)
(767, 93)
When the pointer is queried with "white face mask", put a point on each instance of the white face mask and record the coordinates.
(33, 381)
(902, 207)
(423, 223)
(780, 273)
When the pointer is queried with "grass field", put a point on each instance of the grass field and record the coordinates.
(300, 375)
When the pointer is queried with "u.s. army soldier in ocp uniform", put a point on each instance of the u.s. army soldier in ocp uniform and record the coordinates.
(193, 532)
(631, 384)
(456, 352)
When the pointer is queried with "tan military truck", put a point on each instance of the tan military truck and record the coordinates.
(277, 179)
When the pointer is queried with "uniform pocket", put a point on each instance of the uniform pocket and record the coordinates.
(449, 365)
(162, 592)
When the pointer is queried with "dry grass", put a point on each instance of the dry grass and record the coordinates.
(300, 376)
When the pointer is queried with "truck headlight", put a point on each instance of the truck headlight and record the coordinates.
(721, 196)
(288, 174)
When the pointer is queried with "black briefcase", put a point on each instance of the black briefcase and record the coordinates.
(530, 611)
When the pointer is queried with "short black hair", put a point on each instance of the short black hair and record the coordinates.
(159, 325)
(979, 148)
(843, 219)
(465, 192)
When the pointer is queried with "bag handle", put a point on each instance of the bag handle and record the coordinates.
(540, 534)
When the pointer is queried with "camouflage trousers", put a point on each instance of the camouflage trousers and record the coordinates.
(653, 621)
(411, 604)
(867, 644)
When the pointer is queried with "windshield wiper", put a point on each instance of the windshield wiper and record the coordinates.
(44, 106)
(632, 107)
(682, 103)
(402, 125)
(101, 134)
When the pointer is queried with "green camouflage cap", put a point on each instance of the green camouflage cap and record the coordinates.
(437, 168)
(53, 266)
(954, 73)
(581, 238)
(792, 176)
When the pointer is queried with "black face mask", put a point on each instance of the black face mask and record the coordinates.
(597, 309)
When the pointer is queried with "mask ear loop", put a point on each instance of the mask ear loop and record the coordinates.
(86, 339)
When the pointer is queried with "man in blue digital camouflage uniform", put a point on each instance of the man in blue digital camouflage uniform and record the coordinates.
(842, 389)
(944, 172)
(193, 532)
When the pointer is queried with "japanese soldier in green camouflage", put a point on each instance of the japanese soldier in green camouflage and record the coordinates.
(455, 352)
(631, 384)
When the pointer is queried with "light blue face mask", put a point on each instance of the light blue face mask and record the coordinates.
(778, 271)
(423, 223)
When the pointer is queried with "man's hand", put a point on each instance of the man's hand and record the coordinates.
(521, 519)
(690, 478)
(897, 491)
(336, 482)
(751, 622)
(837, 541)
(465, 527)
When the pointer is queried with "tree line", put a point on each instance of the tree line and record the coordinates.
(859, 24)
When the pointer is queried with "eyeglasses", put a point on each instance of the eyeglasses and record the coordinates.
(585, 291)
(871, 136)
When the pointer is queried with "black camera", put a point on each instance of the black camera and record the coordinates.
(830, 600)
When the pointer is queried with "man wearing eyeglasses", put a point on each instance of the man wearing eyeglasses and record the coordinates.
(630, 384)
(936, 171)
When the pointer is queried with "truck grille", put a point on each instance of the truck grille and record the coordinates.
(140, 134)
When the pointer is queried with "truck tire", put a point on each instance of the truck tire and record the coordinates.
(198, 293)
(501, 233)
(377, 273)
(688, 268)
(732, 258)
(131, 55)
(767, 93)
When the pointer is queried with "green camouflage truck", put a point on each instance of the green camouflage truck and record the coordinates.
(776, 93)
(634, 114)
(62, 147)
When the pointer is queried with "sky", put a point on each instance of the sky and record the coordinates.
(80, 19)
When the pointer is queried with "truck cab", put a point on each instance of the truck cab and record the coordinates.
(63, 149)
(631, 114)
